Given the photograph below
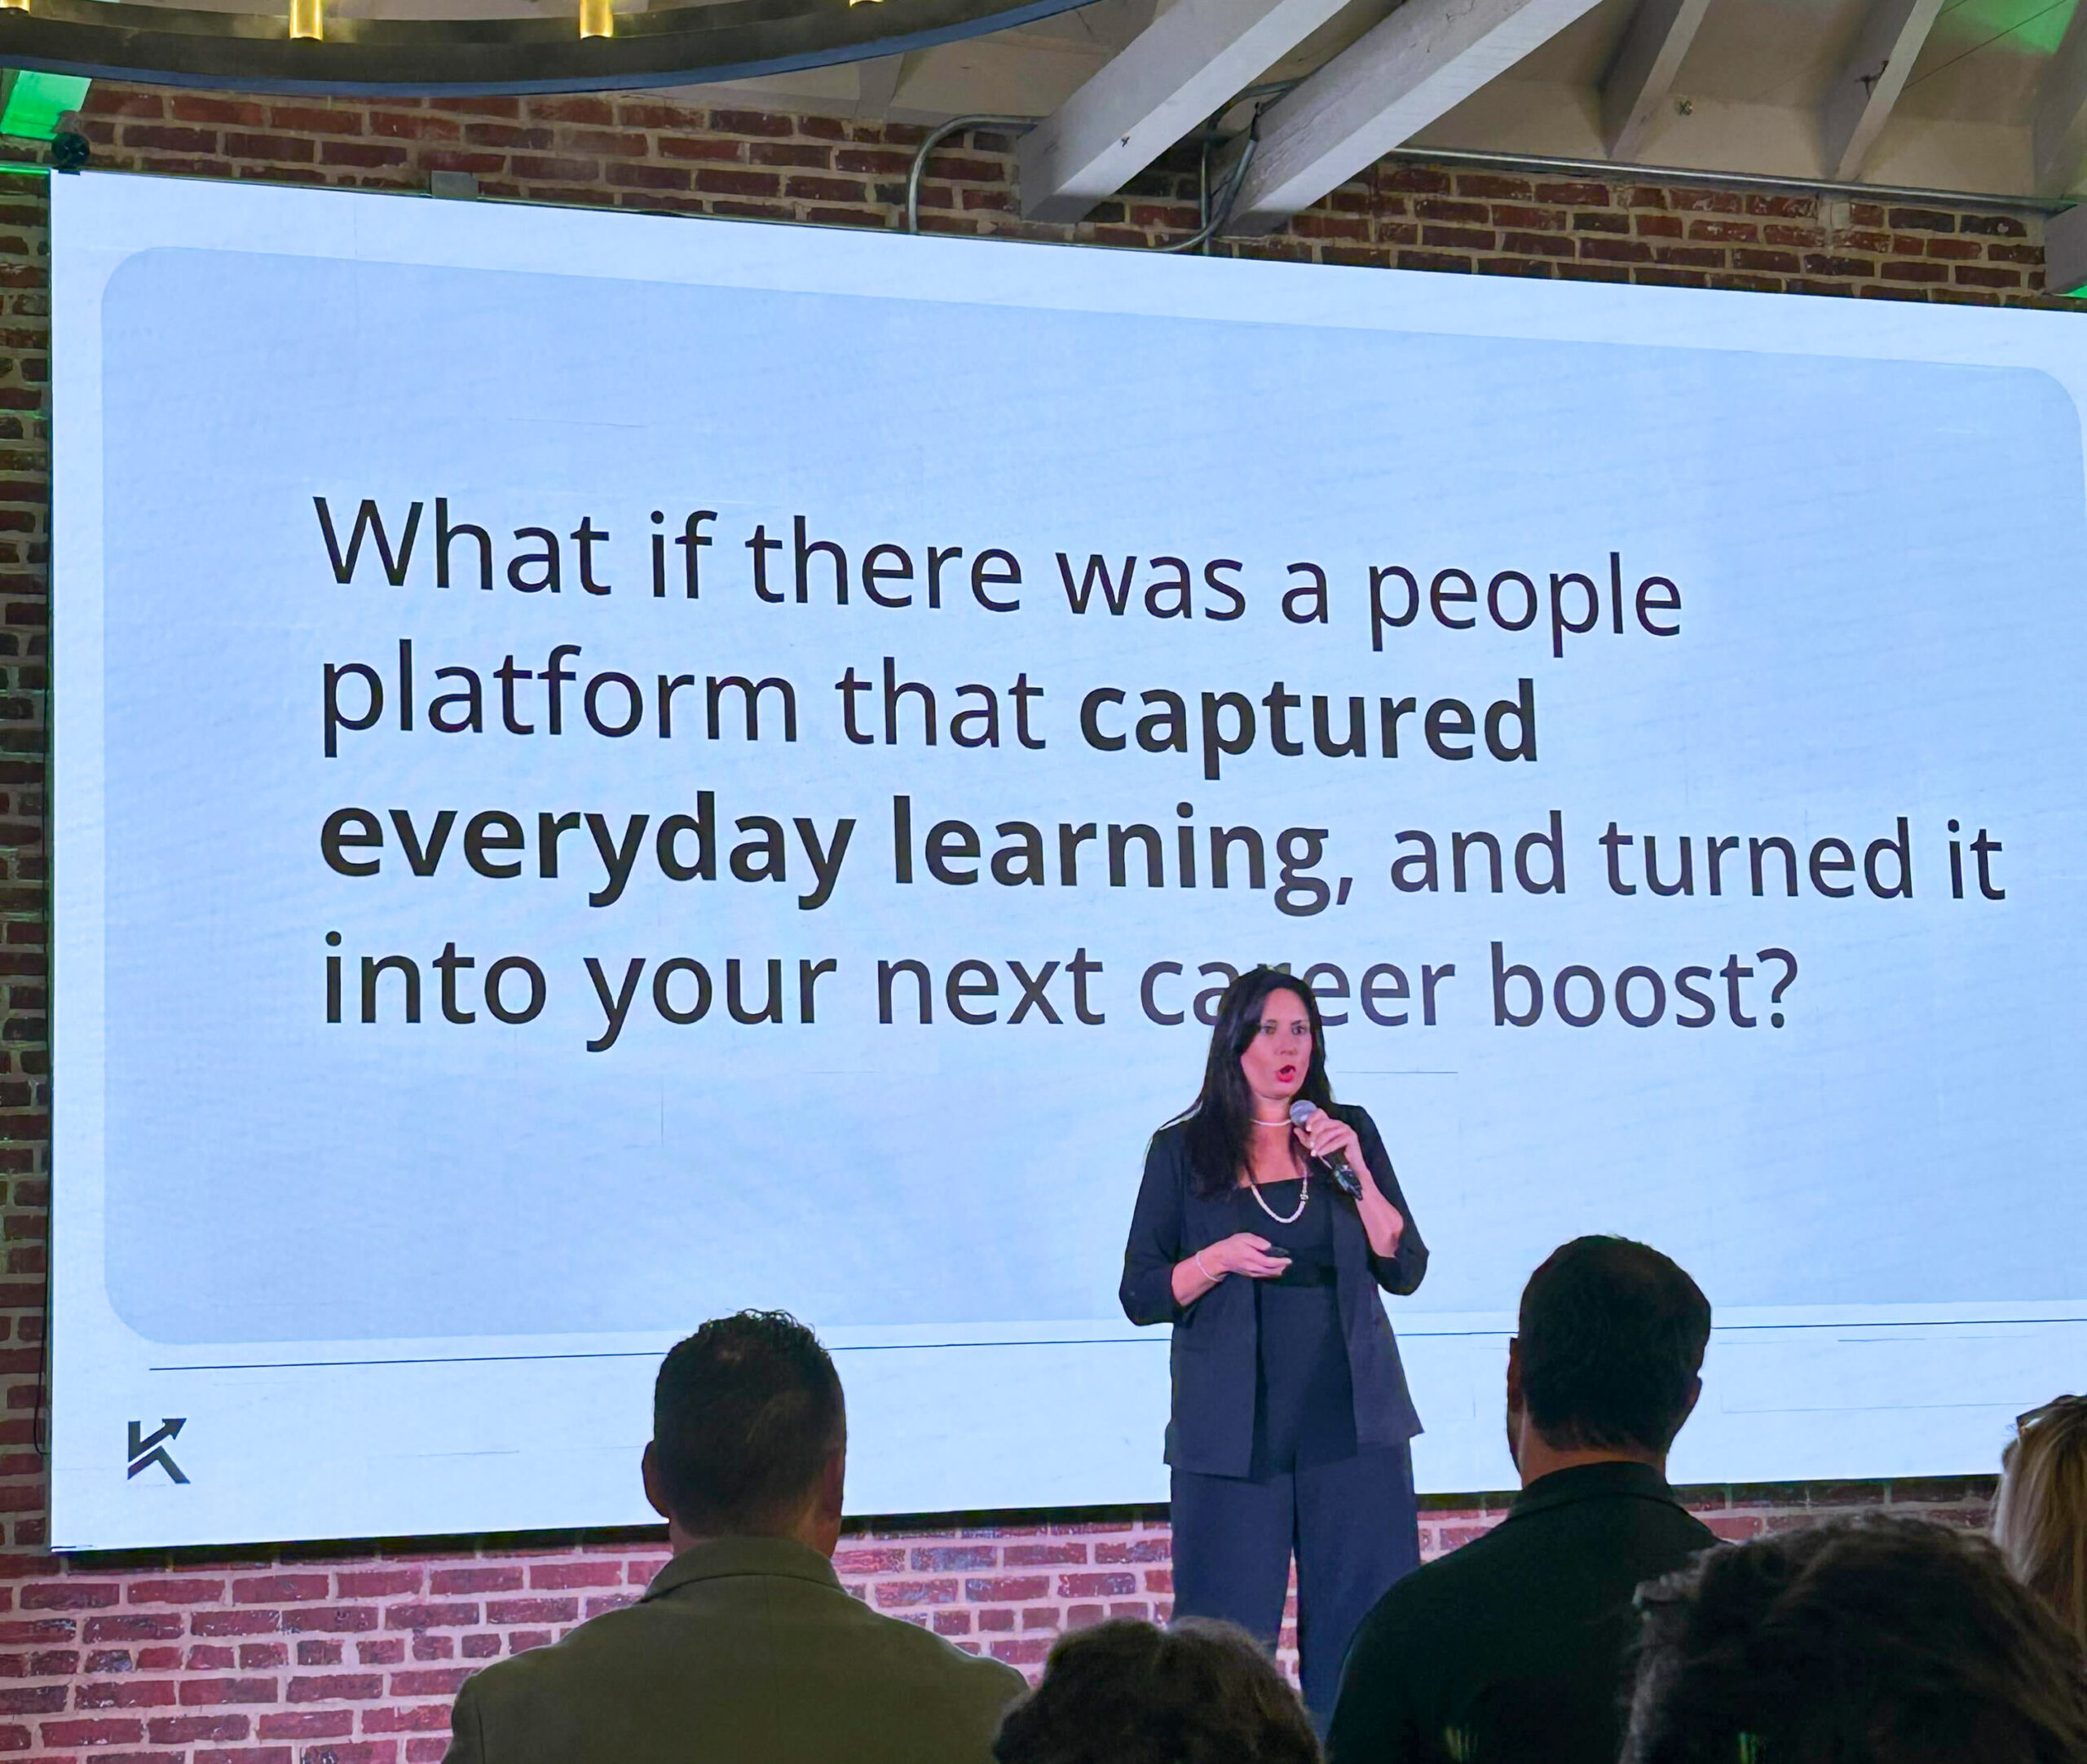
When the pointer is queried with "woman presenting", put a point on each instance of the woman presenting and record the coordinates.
(1291, 1420)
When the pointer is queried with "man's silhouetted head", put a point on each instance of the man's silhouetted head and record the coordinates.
(1606, 1358)
(749, 1433)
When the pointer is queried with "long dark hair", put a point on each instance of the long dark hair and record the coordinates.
(1219, 1121)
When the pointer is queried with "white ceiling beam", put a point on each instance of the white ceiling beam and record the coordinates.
(1635, 88)
(2058, 137)
(877, 82)
(1407, 70)
(2065, 251)
(1859, 102)
(1193, 58)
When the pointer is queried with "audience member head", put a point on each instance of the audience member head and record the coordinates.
(749, 1434)
(2040, 1521)
(1124, 1692)
(1885, 1641)
(1605, 1362)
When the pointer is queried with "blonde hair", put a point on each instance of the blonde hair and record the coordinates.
(2039, 1516)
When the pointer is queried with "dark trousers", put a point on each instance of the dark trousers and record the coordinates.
(1352, 1525)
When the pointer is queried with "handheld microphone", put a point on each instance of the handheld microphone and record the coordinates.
(1345, 1178)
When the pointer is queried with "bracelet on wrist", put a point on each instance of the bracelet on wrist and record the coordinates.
(1198, 1258)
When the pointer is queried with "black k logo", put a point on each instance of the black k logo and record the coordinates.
(146, 1448)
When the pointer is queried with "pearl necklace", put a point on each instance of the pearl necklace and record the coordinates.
(1284, 1219)
(1304, 1195)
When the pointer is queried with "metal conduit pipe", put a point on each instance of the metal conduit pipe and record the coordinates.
(1612, 171)
(1604, 171)
(1226, 197)
(1213, 223)
(954, 126)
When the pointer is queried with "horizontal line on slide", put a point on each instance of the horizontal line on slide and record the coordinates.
(1073, 1341)
(473, 1359)
(1918, 1323)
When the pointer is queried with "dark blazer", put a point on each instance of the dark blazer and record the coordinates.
(1215, 1339)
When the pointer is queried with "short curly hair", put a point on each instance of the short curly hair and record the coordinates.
(1124, 1692)
(1877, 1641)
(745, 1414)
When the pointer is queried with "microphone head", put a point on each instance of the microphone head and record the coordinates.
(1300, 1112)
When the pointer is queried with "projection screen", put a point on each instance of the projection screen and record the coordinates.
(609, 770)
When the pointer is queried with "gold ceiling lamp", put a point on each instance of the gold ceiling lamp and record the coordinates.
(596, 19)
(534, 49)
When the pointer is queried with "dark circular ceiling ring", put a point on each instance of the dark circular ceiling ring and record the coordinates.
(671, 46)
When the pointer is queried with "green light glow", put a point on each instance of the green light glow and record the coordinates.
(31, 103)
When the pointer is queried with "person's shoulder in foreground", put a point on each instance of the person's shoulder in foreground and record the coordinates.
(1535, 1615)
(1883, 1640)
(1512, 1648)
(745, 1646)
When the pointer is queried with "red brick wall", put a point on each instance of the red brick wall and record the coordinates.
(636, 153)
(349, 1654)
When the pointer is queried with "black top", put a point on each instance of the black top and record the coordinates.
(1216, 1349)
(1303, 1402)
(1513, 1648)
(1308, 1240)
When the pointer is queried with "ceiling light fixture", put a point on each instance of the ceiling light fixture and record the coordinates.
(32, 103)
(531, 49)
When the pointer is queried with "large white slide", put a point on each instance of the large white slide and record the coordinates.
(609, 770)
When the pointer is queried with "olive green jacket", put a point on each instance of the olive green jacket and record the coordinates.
(743, 1651)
